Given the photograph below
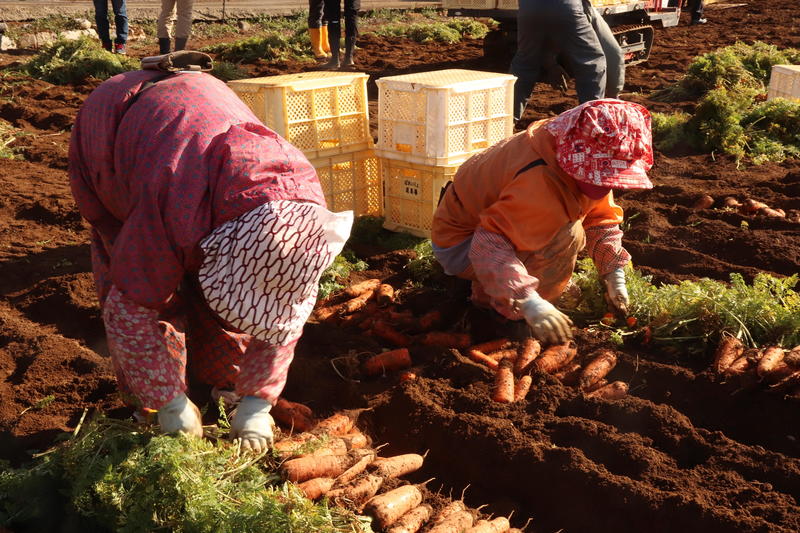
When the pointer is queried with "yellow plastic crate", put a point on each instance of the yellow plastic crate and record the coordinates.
(411, 193)
(443, 117)
(507, 4)
(351, 181)
(469, 4)
(321, 113)
(784, 82)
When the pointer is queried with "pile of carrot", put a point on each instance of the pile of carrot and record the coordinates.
(748, 206)
(773, 366)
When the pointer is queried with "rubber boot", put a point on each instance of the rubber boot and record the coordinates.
(349, 48)
(323, 39)
(180, 43)
(316, 44)
(163, 45)
(334, 36)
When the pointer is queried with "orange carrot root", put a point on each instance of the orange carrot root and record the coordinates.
(528, 353)
(456, 522)
(599, 384)
(397, 466)
(730, 201)
(357, 289)
(407, 376)
(613, 391)
(728, 351)
(325, 313)
(480, 357)
(490, 346)
(429, 320)
(504, 383)
(390, 361)
(498, 525)
(355, 440)
(522, 387)
(412, 521)
(793, 357)
(739, 367)
(385, 294)
(291, 414)
(750, 206)
(597, 369)
(570, 374)
(387, 332)
(338, 424)
(779, 372)
(703, 202)
(316, 488)
(362, 459)
(309, 467)
(556, 357)
(769, 360)
(357, 492)
(445, 339)
(509, 354)
(388, 507)
(356, 304)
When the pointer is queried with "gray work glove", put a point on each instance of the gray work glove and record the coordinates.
(617, 291)
(547, 323)
(181, 415)
(252, 424)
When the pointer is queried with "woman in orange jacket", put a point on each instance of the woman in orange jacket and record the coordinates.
(516, 215)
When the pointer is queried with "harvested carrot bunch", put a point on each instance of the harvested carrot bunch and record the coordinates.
(293, 415)
(390, 361)
(556, 357)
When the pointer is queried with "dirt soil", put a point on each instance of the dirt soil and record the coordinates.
(683, 452)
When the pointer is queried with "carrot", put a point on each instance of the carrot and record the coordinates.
(597, 369)
(780, 371)
(390, 361)
(490, 346)
(316, 488)
(787, 383)
(504, 383)
(357, 289)
(399, 465)
(429, 320)
(324, 313)
(772, 213)
(445, 339)
(769, 360)
(363, 459)
(404, 319)
(293, 414)
(309, 467)
(286, 447)
(598, 385)
(750, 206)
(613, 391)
(480, 357)
(570, 374)
(387, 332)
(703, 202)
(456, 522)
(355, 440)
(388, 507)
(337, 424)
(730, 201)
(528, 353)
(332, 447)
(385, 294)
(515, 530)
(357, 492)
(412, 521)
(355, 304)
(556, 357)
(499, 355)
(728, 351)
(522, 387)
(793, 357)
(631, 321)
(498, 525)
(608, 319)
(738, 367)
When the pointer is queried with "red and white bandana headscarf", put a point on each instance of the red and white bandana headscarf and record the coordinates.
(607, 143)
(261, 271)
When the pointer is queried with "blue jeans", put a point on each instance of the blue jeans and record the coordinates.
(120, 20)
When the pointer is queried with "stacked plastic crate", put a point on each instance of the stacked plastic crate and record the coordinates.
(428, 124)
(325, 115)
(784, 82)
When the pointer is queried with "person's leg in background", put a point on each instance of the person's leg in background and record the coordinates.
(183, 27)
(696, 12)
(527, 62)
(351, 8)
(615, 59)
(582, 46)
(121, 25)
(333, 14)
(163, 24)
(101, 21)
(315, 16)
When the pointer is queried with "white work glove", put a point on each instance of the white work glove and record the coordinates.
(617, 290)
(252, 424)
(181, 415)
(547, 323)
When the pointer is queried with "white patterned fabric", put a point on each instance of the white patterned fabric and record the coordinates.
(260, 271)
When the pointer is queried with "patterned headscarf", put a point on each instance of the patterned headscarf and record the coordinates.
(608, 143)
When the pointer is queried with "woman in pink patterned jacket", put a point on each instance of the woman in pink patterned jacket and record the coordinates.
(209, 235)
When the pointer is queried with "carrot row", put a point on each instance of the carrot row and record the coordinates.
(777, 368)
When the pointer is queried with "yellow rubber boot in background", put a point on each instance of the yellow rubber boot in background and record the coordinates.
(316, 43)
(326, 46)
